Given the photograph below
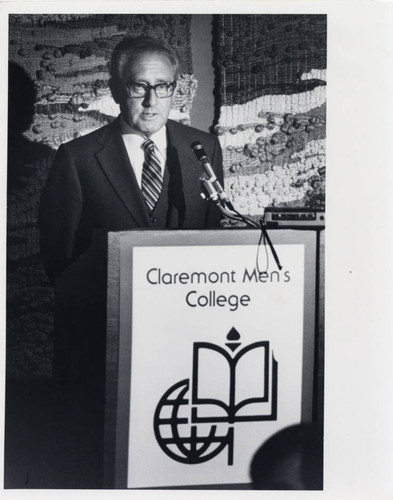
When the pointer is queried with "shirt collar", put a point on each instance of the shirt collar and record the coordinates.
(159, 137)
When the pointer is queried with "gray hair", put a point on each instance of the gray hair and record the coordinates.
(131, 47)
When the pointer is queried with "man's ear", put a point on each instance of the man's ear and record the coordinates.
(116, 89)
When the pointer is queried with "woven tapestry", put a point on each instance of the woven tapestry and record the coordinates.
(67, 58)
(58, 90)
(272, 111)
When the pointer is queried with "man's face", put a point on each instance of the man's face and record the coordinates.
(146, 115)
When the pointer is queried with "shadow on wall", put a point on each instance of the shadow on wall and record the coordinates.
(22, 153)
(29, 295)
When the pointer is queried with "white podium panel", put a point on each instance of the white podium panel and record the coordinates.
(211, 355)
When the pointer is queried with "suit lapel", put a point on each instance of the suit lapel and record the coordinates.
(178, 144)
(114, 161)
(175, 160)
(188, 172)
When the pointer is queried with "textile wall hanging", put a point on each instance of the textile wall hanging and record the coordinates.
(67, 57)
(272, 111)
(58, 89)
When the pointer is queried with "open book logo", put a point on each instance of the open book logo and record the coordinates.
(228, 386)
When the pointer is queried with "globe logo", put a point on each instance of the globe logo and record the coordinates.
(180, 441)
(192, 438)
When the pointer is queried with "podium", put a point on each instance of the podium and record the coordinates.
(210, 351)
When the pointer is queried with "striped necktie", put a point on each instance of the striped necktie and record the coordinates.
(151, 175)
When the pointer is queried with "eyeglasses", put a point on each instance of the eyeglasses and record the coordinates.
(162, 90)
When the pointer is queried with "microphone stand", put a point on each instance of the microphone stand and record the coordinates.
(220, 198)
(215, 192)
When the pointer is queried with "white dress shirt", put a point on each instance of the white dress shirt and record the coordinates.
(133, 143)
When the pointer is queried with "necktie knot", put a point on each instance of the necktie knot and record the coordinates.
(148, 146)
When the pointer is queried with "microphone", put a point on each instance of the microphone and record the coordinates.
(212, 184)
(216, 193)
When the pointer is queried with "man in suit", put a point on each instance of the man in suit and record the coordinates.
(113, 180)
(95, 181)
(98, 184)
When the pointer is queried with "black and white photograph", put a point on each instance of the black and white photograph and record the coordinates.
(167, 199)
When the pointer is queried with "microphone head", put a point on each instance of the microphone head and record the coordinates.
(198, 150)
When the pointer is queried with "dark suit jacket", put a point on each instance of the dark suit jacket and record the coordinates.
(92, 187)
(91, 190)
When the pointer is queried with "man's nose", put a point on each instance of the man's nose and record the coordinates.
(150, 98)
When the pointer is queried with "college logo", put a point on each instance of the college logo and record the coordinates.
(194, 420)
